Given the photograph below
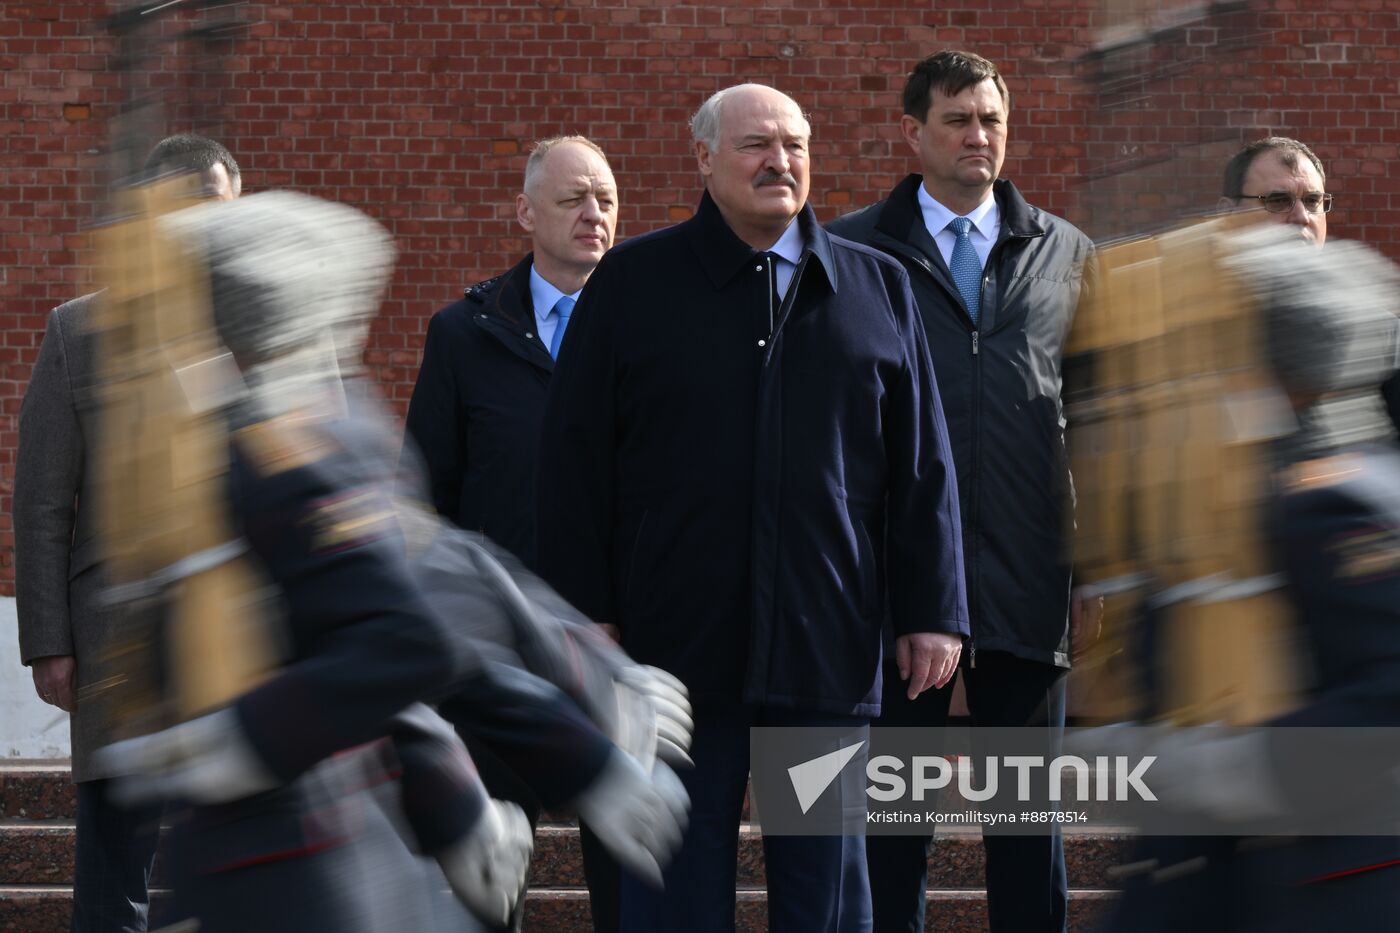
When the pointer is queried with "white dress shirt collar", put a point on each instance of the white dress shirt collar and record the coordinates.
(789, 249)
(986, 225)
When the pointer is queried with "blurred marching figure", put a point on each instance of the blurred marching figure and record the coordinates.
(1328, 328)
(383, 608)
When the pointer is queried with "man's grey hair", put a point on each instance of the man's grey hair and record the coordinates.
(704, 126)
(535, 164)
(1329, 315)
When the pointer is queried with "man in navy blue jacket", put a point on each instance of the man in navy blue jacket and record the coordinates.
(744, 467)
(479, 399)
(476, 407)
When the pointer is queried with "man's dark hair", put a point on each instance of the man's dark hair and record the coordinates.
(1288, 152)
(951, 73)
(190, 152)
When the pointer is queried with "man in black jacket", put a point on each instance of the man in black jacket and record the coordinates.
(476, 408)
(743, 464)
(997, 282)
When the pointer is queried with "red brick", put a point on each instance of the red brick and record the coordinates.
(421, 113)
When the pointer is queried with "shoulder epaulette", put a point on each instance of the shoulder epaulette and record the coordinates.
(1322, 472)
(288, 442)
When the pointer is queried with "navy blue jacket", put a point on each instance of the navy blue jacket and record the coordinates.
(476, 410)
(748, 490)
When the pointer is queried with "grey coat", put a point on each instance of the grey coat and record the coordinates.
(57, 578)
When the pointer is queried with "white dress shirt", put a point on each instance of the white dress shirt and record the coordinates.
(789, 250)
(986, 225)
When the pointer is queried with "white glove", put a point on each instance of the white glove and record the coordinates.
(486, 868)
(639, 819)
(653, 716)
(206, 760)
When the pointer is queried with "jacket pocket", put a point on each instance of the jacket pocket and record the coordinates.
(869, 569)
(83, 555)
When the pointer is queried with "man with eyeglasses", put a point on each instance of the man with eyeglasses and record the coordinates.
(1285, 179)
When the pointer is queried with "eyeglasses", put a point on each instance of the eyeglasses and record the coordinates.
(1281, 202)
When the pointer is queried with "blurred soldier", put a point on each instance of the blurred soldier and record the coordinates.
(62, 626)
(477, 405)
(384, 606)
(1334, 520)
(997, 282)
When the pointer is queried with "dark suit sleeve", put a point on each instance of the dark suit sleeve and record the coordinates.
(926, 583)
(48, 474)
(368, 644)
(1341, 556)
(434, 424)
(369, 640)
(575, 474)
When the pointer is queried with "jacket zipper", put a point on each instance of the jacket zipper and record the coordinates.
(974, 509)
(785, 308)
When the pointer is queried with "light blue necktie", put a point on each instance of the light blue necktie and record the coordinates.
(563, 308)
(966, 267)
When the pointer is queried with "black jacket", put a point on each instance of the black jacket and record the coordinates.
(477, 406)
(1000, 385)
(744, 497)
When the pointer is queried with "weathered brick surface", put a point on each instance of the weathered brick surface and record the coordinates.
(421, 113)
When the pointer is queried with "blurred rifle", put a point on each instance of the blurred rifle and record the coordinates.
(190, 632)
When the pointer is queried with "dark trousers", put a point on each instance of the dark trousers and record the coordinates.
(816, 884)
(1027, 890)
(603, 876)
(116, 847)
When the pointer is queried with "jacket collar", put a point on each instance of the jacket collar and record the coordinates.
(511, 298)
(723, 255)
(901, 218)
(510, 308)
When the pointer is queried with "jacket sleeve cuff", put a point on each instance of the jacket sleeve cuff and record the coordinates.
(957, 627)
(48, 644)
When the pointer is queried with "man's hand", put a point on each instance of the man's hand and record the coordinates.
(611, 631)
(927, 659)
(56, 680)
(1085, 619)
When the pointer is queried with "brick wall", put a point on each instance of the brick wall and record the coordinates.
(421, 112)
